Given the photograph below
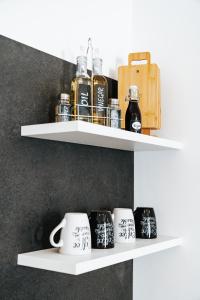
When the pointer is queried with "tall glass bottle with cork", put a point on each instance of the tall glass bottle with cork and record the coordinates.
(99, 92)
(81, 92)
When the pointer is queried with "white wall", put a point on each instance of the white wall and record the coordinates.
(60, 27)
(170, 181)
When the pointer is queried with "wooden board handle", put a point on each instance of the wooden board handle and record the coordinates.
(139, 56)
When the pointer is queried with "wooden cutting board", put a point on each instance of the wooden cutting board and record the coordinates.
(147, 78)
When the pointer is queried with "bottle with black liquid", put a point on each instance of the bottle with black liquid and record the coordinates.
(81, 92)
(99, 92)
(133, 119)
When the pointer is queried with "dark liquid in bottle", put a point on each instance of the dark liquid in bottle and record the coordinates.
(133, 120)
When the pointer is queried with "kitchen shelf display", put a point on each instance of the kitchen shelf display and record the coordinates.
(80, 132)
(86, 133)
(51, 260)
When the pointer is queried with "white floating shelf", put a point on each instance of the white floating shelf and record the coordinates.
(51, 260)
(85, 133)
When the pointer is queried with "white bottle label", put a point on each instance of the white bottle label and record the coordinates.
(136, 125)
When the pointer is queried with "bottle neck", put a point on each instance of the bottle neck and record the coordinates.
(81, 68)
(97, 66)
(133, 103)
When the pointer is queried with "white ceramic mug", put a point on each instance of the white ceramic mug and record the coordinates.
(75, 237)
(124, 225)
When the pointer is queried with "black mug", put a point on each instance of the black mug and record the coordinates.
(145, 223)
(102, 232)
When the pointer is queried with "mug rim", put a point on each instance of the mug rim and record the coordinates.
(144, 207)
(100, 210)
(75, 213)
(122, 208)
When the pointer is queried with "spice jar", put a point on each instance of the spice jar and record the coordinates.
(114, 113)
(63, 108)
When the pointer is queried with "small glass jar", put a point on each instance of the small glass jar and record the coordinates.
(63, 108)
(114, 113)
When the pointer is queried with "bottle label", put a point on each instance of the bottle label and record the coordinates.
(63, 113)
(84, 99)
(100, 97)
(136, 126)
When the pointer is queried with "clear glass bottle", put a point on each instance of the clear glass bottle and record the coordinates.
(133, 119)
(89, 54)
(114, 113)
(99, 92)
(63, 108)
(81, 92)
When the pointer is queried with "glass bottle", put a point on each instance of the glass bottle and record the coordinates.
(89, 54)
(114, 113)
(133, 119)
(63, 108)
(81, 92)
(99, 92)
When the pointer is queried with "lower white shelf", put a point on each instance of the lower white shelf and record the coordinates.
(51, 260)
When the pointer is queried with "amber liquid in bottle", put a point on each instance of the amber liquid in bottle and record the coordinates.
(81, 92)
(99, 93)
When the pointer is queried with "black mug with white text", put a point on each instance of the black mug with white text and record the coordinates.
(145, 223)
(102, 232)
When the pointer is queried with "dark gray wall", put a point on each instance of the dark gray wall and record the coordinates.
(41, 180)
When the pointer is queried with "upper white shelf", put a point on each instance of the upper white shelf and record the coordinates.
(85, 133)
(51, 260)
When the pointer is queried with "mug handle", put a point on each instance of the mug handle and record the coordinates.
(51, 238)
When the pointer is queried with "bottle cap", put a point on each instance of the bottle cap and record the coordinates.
(113, 101)
(64, 96)
(133, 93)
